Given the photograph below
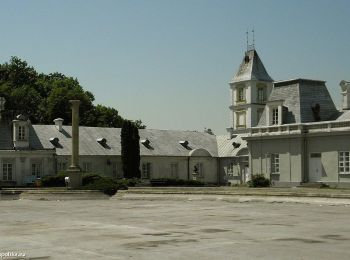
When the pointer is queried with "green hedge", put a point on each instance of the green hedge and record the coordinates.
(53, 181)
(258, 181)
(174, 182)
(106, 185)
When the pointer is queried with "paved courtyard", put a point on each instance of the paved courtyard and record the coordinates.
(174, 229)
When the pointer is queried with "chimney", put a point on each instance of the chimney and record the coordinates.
(58, 123)
(345, 91)
(230, 133)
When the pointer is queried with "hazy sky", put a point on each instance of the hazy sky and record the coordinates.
(168, 62)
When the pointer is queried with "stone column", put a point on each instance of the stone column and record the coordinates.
(74, 172)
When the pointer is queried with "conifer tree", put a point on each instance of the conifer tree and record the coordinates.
(130, 153)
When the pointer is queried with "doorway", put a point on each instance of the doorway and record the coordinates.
(315, 167)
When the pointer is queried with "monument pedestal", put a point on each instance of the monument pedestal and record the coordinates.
(75, 177)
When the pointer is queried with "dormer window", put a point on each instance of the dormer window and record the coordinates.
(145, 142)
(102, 141)
(274, 112)
(275, 116)
(21, 133)
(55, 141)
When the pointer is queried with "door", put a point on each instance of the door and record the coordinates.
(246, 172)
(315, 167)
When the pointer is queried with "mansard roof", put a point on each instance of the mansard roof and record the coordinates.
(251, 68)
(299, 96)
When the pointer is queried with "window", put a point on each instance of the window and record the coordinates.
(240, 119)
(230, 168)
(275, 116)
(261, 94)
(275, 163)
(240, 94)
(259, 113)
(198, 168)
(174, 170)
(36, 169)
(344, 162)
(146, 170)
(86, 167)
(21, 133)
(61, 166)
(7, 172)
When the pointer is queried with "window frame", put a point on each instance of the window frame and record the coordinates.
(200, 167)
(36, 169)
(240, 94)
(146, 170)
(259, 114)
(274, 117)
(87, 167)
(238, 114)
(7, 164)
(174, 170)
(344, 162)
(261, 90)
(275, 163)
(21, 133)
(230, 168)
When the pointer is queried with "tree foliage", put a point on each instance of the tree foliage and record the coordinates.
(130, 153)
(44, 97)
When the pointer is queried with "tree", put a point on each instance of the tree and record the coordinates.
(44, 97)
(107, 116)
(130, 153)
(139, 125)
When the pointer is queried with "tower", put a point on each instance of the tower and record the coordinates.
(250, 89)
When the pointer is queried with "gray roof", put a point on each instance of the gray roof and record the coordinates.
(299, 95)
(162, 142)
(344, 115)
(225, 145)
(251, 68)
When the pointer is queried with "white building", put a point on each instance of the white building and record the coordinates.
(294, 132)
(289, 130)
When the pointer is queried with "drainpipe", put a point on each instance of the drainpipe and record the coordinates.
(305, 157)
(218, 170)
(188, 168)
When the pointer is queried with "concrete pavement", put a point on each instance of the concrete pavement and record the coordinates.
(174, 229)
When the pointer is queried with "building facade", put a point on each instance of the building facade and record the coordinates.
(290, 131)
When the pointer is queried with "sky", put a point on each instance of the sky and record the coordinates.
(168, 62)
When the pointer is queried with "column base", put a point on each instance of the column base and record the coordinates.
(75, 176)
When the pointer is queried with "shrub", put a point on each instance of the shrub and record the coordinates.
(132, 182)
(104, 184)
(90, 178)
(193, 183)
(53, 180)
(259, 180)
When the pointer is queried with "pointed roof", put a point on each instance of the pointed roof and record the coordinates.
(251, 68)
